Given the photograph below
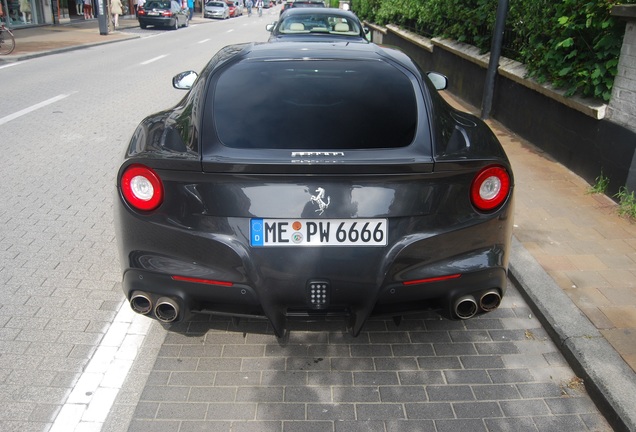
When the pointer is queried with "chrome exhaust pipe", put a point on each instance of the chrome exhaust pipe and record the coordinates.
(490, 301)
(140, 302)
(465, 307)
(167, 310)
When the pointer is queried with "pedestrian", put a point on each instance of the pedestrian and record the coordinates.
(25, 8)
(79, 7)
(259, 6)
(116, 9)
(88, 9)
(138, 5)
(249, 5)
(191, 9)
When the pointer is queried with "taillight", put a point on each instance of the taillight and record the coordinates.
(142, 188)
(167, 14)
(432, 279)
(201, 281)
(490, 188)
(141, 12)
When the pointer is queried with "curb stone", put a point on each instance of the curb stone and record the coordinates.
(609, 380)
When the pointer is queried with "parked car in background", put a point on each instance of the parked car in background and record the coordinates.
(302, 3)
(163, 13)
(344, 187)
(238, 6)
(308, 3)
(216, 9)
(324, 23)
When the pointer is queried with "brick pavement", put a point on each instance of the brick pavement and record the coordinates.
(58, 263)
(578, 238)
(580, 241)
(497, 372)
(45, 40)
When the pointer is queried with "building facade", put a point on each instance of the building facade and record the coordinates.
(25, 13)
(21, 13)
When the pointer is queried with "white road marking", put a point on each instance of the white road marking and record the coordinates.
(204, 41)
(11, 64)
(90, 401)
(154, 59)
(32, 108)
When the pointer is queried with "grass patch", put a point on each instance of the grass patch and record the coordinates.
(626, 203)
(600, 185)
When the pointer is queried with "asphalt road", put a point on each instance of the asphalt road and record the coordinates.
(74, 358)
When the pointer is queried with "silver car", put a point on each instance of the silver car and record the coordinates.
(217, 9)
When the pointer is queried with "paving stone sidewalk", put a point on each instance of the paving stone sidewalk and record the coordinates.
(577, 237)
(581, 242)
(498, 372)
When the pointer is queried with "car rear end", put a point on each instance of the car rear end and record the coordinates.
(156, 13)
(330, 202)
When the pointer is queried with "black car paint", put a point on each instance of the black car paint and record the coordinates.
(201, 230)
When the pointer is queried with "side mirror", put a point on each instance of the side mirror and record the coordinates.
(270, 27)
(184, 80)
(440, 82)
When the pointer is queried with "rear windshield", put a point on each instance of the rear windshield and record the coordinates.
(307, 4)
(318, 23)
(158, 5)
(314, 104)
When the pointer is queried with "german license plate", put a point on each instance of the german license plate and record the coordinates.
(153, 13)
(318, 232)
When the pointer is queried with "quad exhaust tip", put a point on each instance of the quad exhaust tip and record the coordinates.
(140, 302)
(490, 300)
(465, 307)
(167, 310)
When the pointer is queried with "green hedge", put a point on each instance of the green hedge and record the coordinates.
(573, 44)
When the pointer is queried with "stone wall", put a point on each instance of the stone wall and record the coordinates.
(622, 107)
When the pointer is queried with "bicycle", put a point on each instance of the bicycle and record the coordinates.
(7, 40)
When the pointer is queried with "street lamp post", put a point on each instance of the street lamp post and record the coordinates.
(495, 54)
(102, 16)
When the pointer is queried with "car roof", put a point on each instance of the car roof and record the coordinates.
(309, 2)
(321, 11)
(316, 49)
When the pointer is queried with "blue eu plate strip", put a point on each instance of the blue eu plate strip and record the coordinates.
(256, 232)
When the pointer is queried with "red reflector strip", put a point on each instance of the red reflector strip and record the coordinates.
(201, 281)
(433, 279)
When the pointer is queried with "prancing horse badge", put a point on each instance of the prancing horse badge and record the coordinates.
(319, 199)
